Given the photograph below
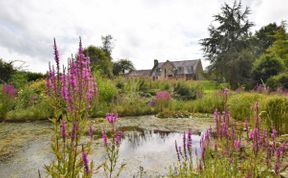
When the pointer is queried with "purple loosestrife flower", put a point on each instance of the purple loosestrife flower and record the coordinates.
(274, 135)
(279, 153)
(111, 117)
(264, 137)
(64, 88)
(224, 129)
(104, 137)
(163, 95)
(118, 137)
(217, 121)
(56, 57)
(254, 135)
(63, 129)
(74, 129)
(85, 161)
(9, 90)
(269, 151)
(184, 145)
(237, 144)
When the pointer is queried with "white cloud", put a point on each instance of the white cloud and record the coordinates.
(143, 29)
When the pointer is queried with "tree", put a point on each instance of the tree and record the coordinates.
(228, 46)
(6, 71)
(100, 60)
(265, 37)
(122, 66)
(107, 44)
(279, 47)
(267, 66)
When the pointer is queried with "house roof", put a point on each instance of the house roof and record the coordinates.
(186, 66)
(138, 73)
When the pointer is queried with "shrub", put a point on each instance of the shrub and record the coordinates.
(186, 92)
(276, 114)
(277, 81)
(240, 105)
(26, 98)
(266, 66)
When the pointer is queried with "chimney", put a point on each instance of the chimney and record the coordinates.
(155, 62)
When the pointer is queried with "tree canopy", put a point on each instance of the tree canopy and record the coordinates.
(228, 46)
(122, 66)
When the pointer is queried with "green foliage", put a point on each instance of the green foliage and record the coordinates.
(107, 44)
(39, 111)
(276, 113)
(266, 66)
(26, 98)
(132, 105)
(280, 46)
(100, 60)
(122, 66)
(187, 92)
(7, 103)
(278, 81)
(241, 105)
(6, 71)
(228, 47)
(107, 90)
(265, 37)
(206, 104)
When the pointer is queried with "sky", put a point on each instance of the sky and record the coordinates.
(142, 30)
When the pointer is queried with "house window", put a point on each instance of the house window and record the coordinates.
(179, 69)
(191, 69)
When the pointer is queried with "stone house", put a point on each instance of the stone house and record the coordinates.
(187, 69)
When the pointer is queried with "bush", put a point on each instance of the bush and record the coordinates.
(276, 114)
(241, 105)
(187, 92)
(266, 66)
(278, 81)
(26, 98)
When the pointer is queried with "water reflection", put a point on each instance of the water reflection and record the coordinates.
(153, 150)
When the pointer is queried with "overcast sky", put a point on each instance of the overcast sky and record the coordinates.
(143, 30)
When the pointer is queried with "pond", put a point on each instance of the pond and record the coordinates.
(152, 151)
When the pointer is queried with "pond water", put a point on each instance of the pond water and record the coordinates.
(152, 150)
